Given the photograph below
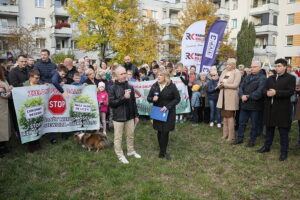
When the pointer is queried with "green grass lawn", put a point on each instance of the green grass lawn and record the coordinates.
(203, 167)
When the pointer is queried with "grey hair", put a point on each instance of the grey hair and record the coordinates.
(232, 60)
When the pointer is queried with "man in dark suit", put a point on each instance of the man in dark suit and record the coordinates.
(277, 112)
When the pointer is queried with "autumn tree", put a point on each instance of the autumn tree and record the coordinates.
(114, 23)
(22, 40)
(195, 10)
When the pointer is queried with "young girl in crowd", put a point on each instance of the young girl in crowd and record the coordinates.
(102, 97)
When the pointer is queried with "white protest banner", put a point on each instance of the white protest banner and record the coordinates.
(192, 44)
(142, 90)
(42, 109)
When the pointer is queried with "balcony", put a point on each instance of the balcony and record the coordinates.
(265, 29)
(61, 11)
(171, 21)
(9, 8)
(223, 13)
(4, 31)
(173, 6)
(63, 32)
(264, 8)
(265, 50)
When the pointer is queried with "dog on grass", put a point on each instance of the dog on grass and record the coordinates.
(91, 141)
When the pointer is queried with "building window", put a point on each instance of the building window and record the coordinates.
(235, 4)
(3, 45)
(39, 3)
(234, 23)
(292, 1)
(154, 14)
(40, 43)
(291, 19)
(3, 23)
(233, 42)
(74, 44)
(289, 40)
(40, 21)
(144, 13)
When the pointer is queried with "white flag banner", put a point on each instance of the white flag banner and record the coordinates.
(192, 44)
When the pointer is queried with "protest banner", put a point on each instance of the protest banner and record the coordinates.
(42, 109)
(192, 44)
(142, 90)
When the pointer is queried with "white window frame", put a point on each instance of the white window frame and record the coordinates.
(234, 25)
(288, 19)
(39, 3)
(39, 21)
(39, 42)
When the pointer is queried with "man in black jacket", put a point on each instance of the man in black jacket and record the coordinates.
(129, 66)
(251, 95)
(125, 114)
(19, 74)
(68, 63)
(277, 112)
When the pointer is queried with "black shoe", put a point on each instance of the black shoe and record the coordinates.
(263, 150)
(250, 144)
(236, 142)
(53, 141)
(283, 156)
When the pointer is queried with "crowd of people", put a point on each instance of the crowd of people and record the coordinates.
(226, 99)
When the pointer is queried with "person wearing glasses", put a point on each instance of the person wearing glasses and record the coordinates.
(277, 108)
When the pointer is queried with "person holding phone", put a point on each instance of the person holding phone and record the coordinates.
(164, 94)
(228, 100)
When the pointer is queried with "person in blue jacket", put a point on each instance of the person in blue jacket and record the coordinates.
(57, 79)
(45, 67)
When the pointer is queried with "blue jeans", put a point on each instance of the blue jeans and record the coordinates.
(284, 138)
(214, 111)
(243, 120)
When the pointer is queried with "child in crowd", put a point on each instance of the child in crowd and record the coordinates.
(34, 79)
(130, 76)
(76, 79)
(102, 97)
(57, 79)
(143, 74)
(195, 104)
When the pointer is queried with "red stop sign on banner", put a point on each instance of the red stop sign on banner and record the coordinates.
(57, 104)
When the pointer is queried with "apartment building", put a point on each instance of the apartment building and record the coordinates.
(57, 33)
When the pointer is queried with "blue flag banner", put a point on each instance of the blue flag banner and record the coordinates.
(212, 44)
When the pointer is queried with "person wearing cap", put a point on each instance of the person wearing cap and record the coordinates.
(228, 100)
(251, 96)
(212, 92)
(277, 108)
(195, 104)
(102, 98)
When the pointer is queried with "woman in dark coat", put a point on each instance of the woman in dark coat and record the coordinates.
(91, 80)
(164, 94)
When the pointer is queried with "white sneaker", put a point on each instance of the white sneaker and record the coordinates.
(135, 154)
(219, 125)
(211, 124)
(123, 160)
(104, 132)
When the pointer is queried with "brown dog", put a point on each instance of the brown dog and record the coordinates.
(91, 141)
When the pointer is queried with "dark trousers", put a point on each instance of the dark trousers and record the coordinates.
(243, 120)
(204, 111)
(284, 138)
(163, 139)
(195, 115)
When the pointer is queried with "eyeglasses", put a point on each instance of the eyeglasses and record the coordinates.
(212, 75)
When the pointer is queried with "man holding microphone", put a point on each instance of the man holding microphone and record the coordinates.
(125, 114)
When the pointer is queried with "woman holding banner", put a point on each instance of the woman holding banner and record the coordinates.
(228, 100)
(164, 94)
